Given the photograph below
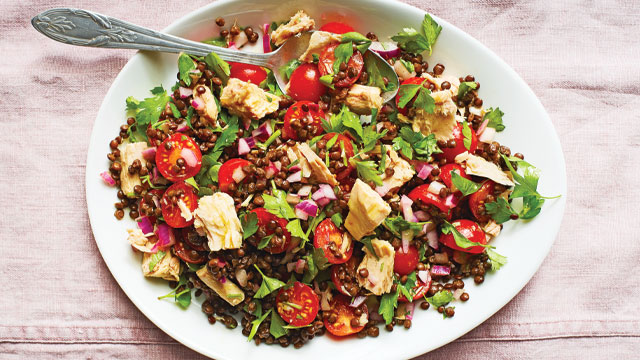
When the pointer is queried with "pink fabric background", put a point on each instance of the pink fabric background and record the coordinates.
(580, 58)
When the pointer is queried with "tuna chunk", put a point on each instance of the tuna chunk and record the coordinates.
(300, 22)
(367, 210)
(247, 100)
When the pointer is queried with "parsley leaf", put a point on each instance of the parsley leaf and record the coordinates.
(388, 303)
(337, 219)
(375, 77)
(182, 298)
(423, 146)
(398, 224)
(370, 138)
(466, 132)
(440, 298)
(277, 204)
(288, 68)
(406, 93)
(407, 65)
(270, 84)
(295, 229)
(256, 323)
(327, 80)
(465, 87)
(264, 242)
(249, 224)
(460, 239)
(497, 260)
(351, 121)
(400, 144)
(500, 210)
(531, 207)
(495, 118)
(185, 66)
(226, 138)
(367, 243)
(276, 327)
(407, 288)
(314, 223)
(355, 37)
(268, 285)
(422, 95)
(466, 186)
(155, 258)
(316, 262)
(219, 66)
(342, 53)
(416, 42)
(147, 111)
(368, 171)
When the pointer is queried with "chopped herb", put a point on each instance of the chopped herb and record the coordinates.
(295, 229)
(423, 146)
(219, 66)
(500, 210)
(288, 68)
(407, 65)
(422, 95)
(416, 42)
(277, 204)
(314, 223)
(294, 163)
(175, 111)
(270, 140)
(146, 111)
(264, 242)
(407, 288)
(495, 118)
(367, 243)
(277, 327)
(155, 258)
(268, 285)
(388, 303)
(191, 181)
(327, 80)
(497, 260)
(337, 219)
(398, 224)
(370, 138)
(465, 87)
(182, 298)
(256, 323)
(368, 171)
(185, 66)
(342, 53)
(226, 138)
(249, 224)
(316, 261)
(466, 186)
(466, 132)
(440, 298)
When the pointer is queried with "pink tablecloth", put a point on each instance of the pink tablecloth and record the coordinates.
(580, 58)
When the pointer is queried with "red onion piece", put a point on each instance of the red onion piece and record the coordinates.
(221, 263)
(245, 145)
(232, 46)
(197, 103)
(272, 170)
(238, 175)
(222, 280)
(387, 50)
(432, 237)
(487, 135)
(144, 223)
(263, 131)
(165, 237)
(266, 39)
(185, 92)
(240, 40)
(305, 190)
(439, 270)
(407, 235)
(382, 190)
(149, 154)
(295, 168)
(106, 177)
(323, 201)
(372, 278)
(300, 265)
(189, 157)
(457, 293)
(482, 127)
(357, 301)
(309, 207)
(278, 165)
(328, 191)
(435, 187)
(410, 307)
(295, 177)
(424, 170)
(451, 201)
(422, 215)
(301, 214)
(424, 276)
(291, 266)
(405, 203)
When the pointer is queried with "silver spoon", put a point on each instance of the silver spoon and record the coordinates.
(86, 28)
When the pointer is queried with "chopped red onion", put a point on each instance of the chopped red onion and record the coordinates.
(422, 215)
(435, 187)
(451, 201)
(149, 154)
(238, 175)
(185, 92)
(432, 237)
(357, 301)
(189, 157)
(240, 40)
(323, 201)
(144, 223)
(197, 103)
(165, 237)
(263, 131)
(221, 263)
(245, 145)
(482, 127)
(424, 276)
(324, 195)
(272, 169)
(291, 266)
(372, 278)
(222, 280)
(457, 293)
(405, 204)
(106, 177)
(387, 50)
(278, 165)
(182, 127)
(487, 135)
(305, 190)
(266, 39)
(232, 46)
(295, 177)
(295, 168)
(439, 270)
(301, 214)
(328, 191)
(410, 307)
(300, 265)
(424, 170)
(382, 190)
(308, 207)
(407, 235)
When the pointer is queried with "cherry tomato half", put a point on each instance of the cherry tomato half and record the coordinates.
(451, 153)
(410, 81)
(349, 269)
(344, 314)
(297, 305)
(305, 84)
(264, 218)
(417, 292)
(225, 173)
(405, 262)
(312, 116)
(328, 237)
(479, 198)
(192, 239)
(343, 175)
(248, 73)
(189, 254)
(471, 230)
(171, 211)
(178, 157)
(336, 27)
(422, 193)
(327, 58)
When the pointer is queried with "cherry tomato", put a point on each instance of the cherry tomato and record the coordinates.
(421, 193)
(349, 268)
(313, 117)
(178, 157)
(298, 305)
(327, 58)
(479, 198)
(189, 254)
(471, 230)
(328, 236)
(405, 262)
(418, 291)
(344, 314)
(264, 217)
(171, 211)
(191, 238)
(410, 81)
(445, 174)
(248, 73)
(305, 84)
(451, 153)
(336, 27)
(225, 174)
(343, 175)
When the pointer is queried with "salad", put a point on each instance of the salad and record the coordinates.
(322, 208)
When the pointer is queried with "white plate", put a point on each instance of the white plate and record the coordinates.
(528, 130)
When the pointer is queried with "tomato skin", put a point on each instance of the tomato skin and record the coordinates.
(189, 254)
(478, 199)
(327, 58)
(471, 231)
(295, 112)
(305, 84)
(171, 213)
(336, 27)
(247, 73)
(450, 153)
(302, 295)
(225, 173)
(410, 81)
(343, 176)
(166, 159)
(405, 262)
(421, 193)
(340, 306)
(192, 239)
(263, 219)
(352, 265)
(419, 290)
(326, 233)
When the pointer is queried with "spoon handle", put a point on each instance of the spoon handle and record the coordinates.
(86, 28)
